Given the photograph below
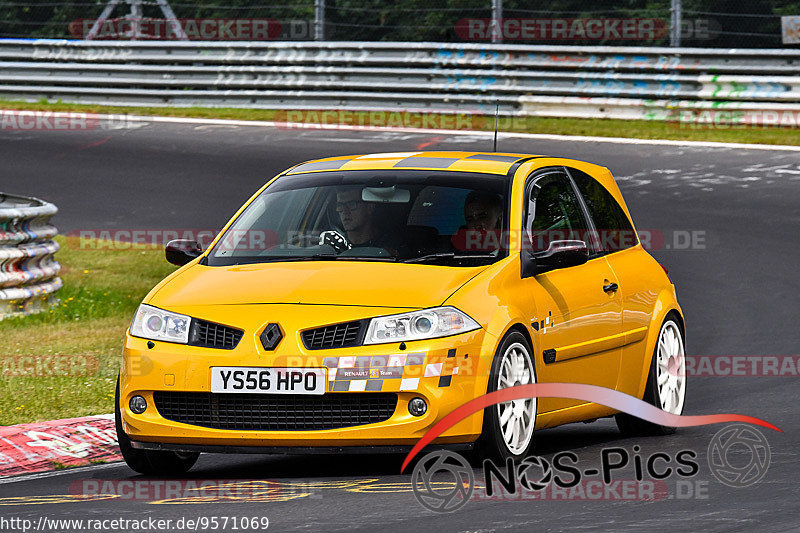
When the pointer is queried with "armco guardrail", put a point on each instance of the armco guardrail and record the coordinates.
(444, 77)
(28, 271)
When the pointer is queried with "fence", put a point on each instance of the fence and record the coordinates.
(763, 86)
(707, 23)
(28, 271)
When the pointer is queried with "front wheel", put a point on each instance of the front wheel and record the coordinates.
(666, 381)
(508, 427)
(150, 462)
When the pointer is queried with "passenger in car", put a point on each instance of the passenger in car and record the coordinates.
(483, 214)
(483, 211)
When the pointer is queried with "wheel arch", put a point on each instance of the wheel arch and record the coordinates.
(486, 437)
(518, 326)
(496, 332)
(666, 305)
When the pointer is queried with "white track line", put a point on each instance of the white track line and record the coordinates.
(541, 136)
(344, 127)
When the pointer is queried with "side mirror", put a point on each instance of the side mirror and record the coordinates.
(560, 254)
(182, 251)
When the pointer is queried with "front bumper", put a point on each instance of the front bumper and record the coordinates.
(452, 371)
(297, 450)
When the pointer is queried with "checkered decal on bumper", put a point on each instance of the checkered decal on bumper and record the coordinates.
(392, 373)
(374, 373)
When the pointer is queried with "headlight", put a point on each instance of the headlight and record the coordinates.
(427, 324)
(158, 325)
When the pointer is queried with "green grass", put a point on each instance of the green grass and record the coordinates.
(641, 129)
(85, 331)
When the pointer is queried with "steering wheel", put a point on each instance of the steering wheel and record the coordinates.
(335, 240)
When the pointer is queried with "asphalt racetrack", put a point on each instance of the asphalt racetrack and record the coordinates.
(737, 283)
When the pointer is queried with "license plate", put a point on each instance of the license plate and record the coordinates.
(268, 380)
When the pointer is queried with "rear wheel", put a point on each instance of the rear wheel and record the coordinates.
(508, 427)
(150, 462)
(666, 381)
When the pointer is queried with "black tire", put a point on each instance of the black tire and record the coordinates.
(491, 443)
(150, 462)
(632, 426)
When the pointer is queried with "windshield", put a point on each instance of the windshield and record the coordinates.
(452, 218)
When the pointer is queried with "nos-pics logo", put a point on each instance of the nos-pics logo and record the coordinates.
(443, 481)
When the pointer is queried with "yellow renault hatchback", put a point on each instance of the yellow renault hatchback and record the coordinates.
(354, 301)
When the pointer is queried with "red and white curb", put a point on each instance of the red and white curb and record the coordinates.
(43, 446)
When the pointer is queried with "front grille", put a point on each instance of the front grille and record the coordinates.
(271, 412)
(344, 335)
(211, 335)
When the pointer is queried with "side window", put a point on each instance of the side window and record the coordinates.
(553, 212)
(613, 227)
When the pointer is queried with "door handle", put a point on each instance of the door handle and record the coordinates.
(611, 287)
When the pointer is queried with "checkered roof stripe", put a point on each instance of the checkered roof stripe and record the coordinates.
(462, 161)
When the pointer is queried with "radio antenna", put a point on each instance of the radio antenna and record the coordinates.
(496, 113)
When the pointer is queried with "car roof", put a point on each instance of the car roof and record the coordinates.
(490, 163)
(479, 162)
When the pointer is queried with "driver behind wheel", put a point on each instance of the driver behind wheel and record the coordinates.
(356, 216)
(360, 222)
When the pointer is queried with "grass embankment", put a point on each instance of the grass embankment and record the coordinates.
(75, 347)
(639, 129)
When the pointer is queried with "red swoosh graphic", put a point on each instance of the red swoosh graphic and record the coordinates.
(589, 393)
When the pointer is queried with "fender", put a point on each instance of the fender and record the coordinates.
(496, 320)
(666, 303)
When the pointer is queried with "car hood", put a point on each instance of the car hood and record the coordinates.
(325, 283)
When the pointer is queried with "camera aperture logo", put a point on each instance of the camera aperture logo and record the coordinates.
(731, 441)
(529, 465)
(446, 495)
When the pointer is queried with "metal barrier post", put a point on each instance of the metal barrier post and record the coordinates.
(497, 21)
(676, 19)
(319, 20)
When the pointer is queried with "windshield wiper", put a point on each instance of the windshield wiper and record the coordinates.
(315, 257)
(277, 258)
(446, 255)
(388, 258)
